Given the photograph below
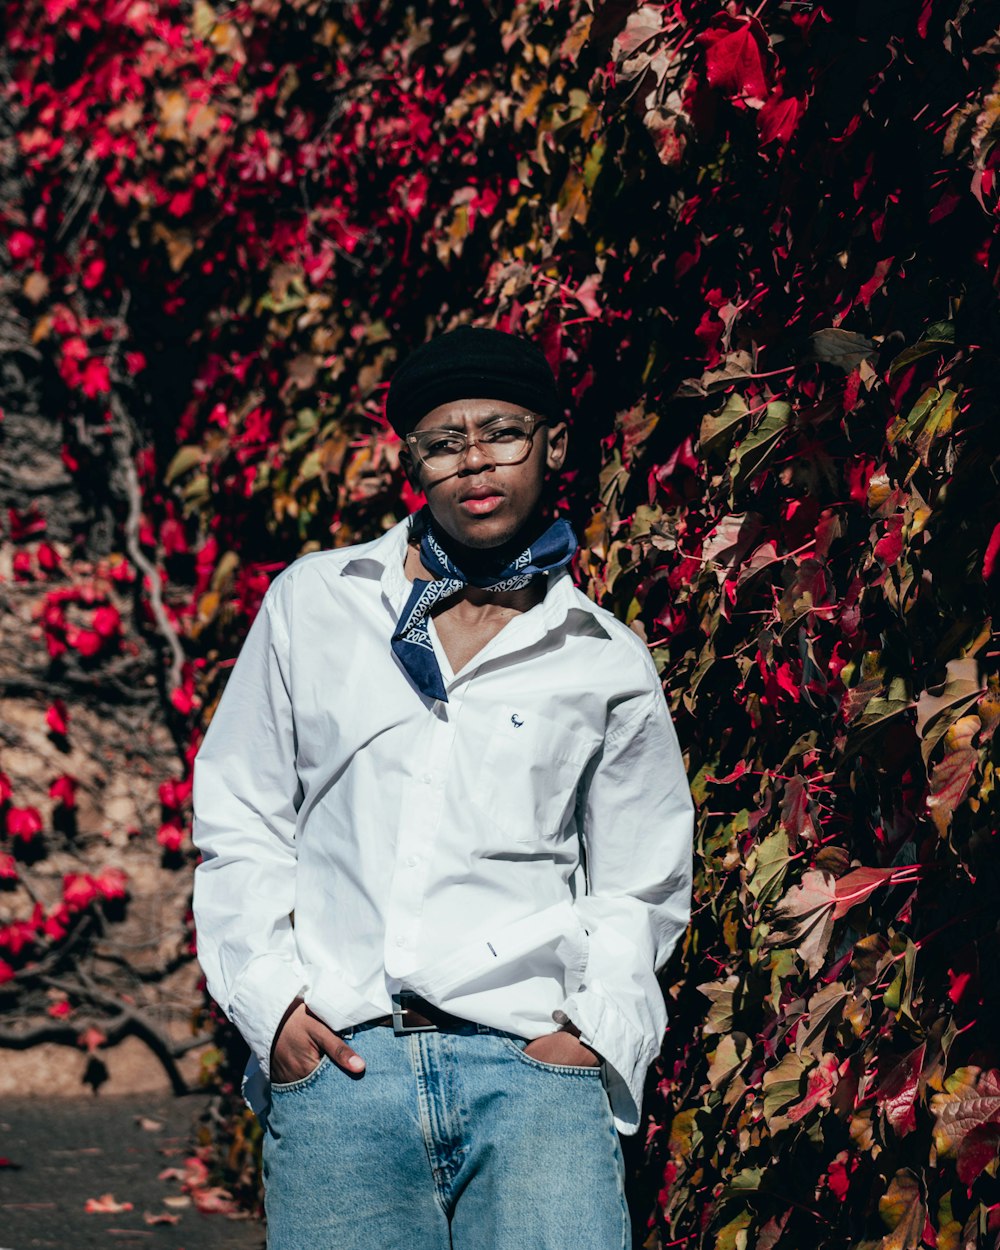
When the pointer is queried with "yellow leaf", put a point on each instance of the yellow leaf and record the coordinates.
(732, 1236)
(225, 570)
(208, 605)
(41, 330)
(36, 287)
(961, 733)
(179, 245)
(729, 1055)
(173, 114)
(185, 458)
(203, 19)
(903, 1212)
(527, 110)
(203, 121)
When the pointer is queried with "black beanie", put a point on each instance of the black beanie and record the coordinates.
(471, 362)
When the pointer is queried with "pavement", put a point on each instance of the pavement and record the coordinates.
(58, 1154)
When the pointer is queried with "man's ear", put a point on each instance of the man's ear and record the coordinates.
(410, 468)
(556, 445)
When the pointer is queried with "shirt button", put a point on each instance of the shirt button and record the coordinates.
(401, 941)
(427, 779)
(412, 861)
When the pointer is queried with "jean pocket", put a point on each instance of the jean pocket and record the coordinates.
(517, 1045)
(303, 1082)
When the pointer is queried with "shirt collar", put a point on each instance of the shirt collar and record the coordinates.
(383, 557)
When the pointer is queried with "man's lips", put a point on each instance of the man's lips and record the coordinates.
(481, 500)
(480, 505)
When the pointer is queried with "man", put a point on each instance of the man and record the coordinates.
(446, 838)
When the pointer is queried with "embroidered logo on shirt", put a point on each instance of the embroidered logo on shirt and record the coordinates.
(516, 721)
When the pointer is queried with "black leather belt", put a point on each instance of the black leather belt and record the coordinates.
(413, 1014)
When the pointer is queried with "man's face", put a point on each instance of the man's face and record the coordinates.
(480, 503)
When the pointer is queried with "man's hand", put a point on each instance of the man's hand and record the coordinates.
(301, 1042)
(563, 1047)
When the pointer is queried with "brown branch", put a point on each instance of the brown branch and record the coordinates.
(132, 1020)
(127, 1023)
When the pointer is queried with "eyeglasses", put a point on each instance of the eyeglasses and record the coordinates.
(504, 440)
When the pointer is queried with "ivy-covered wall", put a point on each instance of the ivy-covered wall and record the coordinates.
(758, 244)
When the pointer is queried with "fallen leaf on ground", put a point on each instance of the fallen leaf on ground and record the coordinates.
(160, 1217)
(148, 1124)
(106, 1205)
(214, 1201)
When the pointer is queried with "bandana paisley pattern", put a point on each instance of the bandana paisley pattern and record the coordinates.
(411, 641)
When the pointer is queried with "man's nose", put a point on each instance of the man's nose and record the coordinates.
(475, 460)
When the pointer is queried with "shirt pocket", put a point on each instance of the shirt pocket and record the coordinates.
(527, 777)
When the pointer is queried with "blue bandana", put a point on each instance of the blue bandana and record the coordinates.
(411, 642)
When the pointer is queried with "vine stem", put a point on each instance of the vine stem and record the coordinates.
(123, 450)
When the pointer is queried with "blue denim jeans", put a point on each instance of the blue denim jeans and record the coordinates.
(448, 1141)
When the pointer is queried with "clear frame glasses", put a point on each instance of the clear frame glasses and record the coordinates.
(504, 440)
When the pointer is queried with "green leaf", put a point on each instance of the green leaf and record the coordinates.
(767, 864)
(719, 428)
(936, 338)
(748, 1179)
(878, 712)
(732, 1236)
(756, 450)
(592, 165)
(721, 995)
(730, 1055)
(842, 348)
(931, 418)
(198, 490)
(783, 1085)
(961, 688)
(184, 459)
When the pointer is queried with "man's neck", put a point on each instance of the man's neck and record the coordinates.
(472, 603)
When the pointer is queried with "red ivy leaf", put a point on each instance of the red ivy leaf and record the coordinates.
(854, 887)
(992, 557)
(897, 1094)
(950, 782)
(63, 790)
(79, 890)
(24, 823)
(89, 1040)
(965, 1105)
(739, 59)
(977, 1151)
(107, 622)
(112, 883)
(777, 120)
(170, 836)
(56, 718)
(95, 379)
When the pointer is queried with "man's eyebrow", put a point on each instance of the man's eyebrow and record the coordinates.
(478, 421)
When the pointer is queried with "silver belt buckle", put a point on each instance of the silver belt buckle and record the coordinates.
(399, 1027)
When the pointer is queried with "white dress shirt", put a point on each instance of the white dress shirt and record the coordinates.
(519, 855)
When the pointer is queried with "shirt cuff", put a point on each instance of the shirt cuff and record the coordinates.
(627, 1054)
(260, 999)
